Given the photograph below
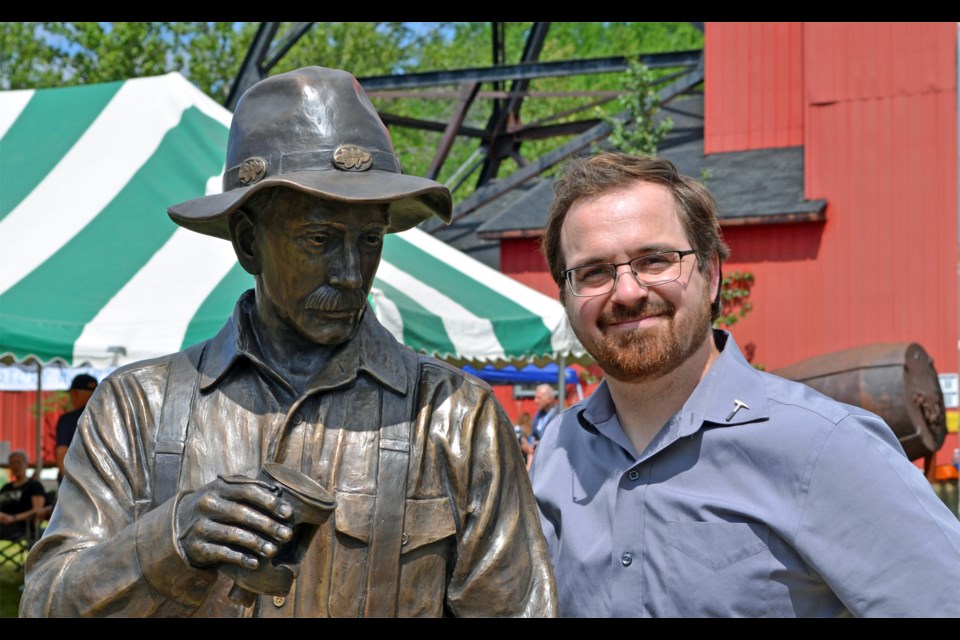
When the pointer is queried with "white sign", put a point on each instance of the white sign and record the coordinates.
(950, 385)
(23, 377)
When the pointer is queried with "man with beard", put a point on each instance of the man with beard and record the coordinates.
(690, 483)
(302, 462)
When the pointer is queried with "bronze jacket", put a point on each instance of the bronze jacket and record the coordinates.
(471, 538)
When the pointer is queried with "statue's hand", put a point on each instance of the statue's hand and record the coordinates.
(242, 524)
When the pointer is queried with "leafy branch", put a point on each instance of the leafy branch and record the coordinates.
(734, 294)
(639, 134)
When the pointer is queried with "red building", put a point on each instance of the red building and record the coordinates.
(869, 252)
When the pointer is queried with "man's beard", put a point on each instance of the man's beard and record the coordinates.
(326, 298)
(644, 354)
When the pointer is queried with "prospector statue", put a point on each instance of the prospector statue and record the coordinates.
(302, 462)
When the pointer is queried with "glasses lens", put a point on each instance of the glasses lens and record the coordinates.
(657, 268)
(592, 280)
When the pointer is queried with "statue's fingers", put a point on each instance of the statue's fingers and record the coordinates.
(203, 554)
(258, 497)
(240, 517)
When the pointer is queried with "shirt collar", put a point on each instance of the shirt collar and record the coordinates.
(732, 392)
(372, 349)
(730, 379)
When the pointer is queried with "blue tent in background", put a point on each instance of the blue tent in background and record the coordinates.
(530, 374)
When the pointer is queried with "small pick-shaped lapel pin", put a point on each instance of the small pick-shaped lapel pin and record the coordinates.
(737, 405)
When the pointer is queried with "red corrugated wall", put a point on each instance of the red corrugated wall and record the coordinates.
(521, 259)
(18, 424)
(880, 145)
(754, 86)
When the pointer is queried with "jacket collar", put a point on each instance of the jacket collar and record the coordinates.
(372, 349)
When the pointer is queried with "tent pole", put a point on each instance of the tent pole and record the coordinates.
(39, 460)
(562, 381)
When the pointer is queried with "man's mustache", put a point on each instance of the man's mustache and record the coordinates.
(328, 298)
(643, 309)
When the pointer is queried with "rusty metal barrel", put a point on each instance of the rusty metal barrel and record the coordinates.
(896, 381)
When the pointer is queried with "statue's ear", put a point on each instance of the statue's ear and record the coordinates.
(243, 235)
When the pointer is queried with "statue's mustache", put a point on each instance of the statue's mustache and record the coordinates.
(327, 298)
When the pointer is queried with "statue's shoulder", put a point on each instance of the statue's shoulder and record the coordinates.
(152, 368)
(451, 372)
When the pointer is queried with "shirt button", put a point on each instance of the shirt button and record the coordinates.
(634, 474)
(297, 418)
(278, 601)
(626, 559)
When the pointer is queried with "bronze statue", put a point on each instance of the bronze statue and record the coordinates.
(302, 462)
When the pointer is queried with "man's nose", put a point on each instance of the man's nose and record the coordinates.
(626, 287)
(346, 272)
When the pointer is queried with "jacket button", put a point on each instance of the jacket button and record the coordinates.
(626, 559)
(634, 474)
(278, 601)
(404, 539)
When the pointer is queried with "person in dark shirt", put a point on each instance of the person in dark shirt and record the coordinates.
(81, 388)
(21, 499)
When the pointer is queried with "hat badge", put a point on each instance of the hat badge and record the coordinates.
(350, 157)
(252, 170)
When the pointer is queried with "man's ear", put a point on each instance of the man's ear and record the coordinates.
(715, 275)
(243, 235)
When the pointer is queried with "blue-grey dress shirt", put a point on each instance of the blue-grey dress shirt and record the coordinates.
(796, 506)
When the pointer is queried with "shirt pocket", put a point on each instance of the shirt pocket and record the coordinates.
(719, 569)
(428, 530)
(717, 545)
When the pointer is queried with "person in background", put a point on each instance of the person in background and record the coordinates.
(545, 399)
(21, 500)
(524, 430)
(81, 389)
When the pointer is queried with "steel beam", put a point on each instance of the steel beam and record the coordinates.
(529, 71)
(491, 192)
(251, 71)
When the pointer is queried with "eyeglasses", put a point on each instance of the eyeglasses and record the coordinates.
(649, 271)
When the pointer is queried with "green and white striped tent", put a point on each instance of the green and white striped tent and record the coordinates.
(92, 270)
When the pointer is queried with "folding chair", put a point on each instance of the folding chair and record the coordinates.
(15, 544)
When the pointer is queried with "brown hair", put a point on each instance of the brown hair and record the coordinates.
(592, 176)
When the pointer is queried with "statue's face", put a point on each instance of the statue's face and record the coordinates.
(317, 259)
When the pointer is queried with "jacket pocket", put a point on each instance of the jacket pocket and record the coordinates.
(428, 528)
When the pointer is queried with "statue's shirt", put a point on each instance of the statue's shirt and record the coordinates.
(472, 544)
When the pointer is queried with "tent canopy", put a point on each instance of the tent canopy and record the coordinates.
(93, 271)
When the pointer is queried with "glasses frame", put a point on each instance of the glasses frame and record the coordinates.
(568, 273)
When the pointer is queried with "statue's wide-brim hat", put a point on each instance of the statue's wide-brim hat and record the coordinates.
(316, 131)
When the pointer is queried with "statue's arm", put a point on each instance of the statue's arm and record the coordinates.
(105, 552)
(502, 566)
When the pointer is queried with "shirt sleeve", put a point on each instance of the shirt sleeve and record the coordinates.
(875, 530)
(501, 568)
(33, 488)
(105, 553)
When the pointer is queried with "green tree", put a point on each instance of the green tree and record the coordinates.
(209, 54)
(642, 133)
(37, 55)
